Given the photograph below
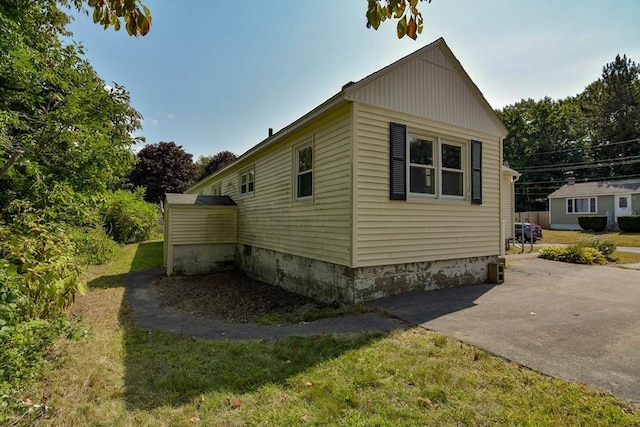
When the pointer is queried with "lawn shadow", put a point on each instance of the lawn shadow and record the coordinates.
(169, 361)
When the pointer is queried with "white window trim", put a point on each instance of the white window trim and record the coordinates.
(296, 149)
(573, 205)
(243, 173)
(437, 156)
(464, 169)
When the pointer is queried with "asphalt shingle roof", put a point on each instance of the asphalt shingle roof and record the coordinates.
(197, 199)
(598, 188)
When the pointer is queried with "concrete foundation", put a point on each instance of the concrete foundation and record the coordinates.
(317, 279)
(331, 282)
(204, 258)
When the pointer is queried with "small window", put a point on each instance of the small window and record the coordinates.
(216, 190)
(304, 172)
(247, 181)
(622, 202)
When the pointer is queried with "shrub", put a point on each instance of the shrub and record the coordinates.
(586, 255)
(605, 246)
(39, 277)
(93, 246)
(553, 253)
(41, 260)
(594, 222)
(629, 224)
(128, 218)
(575, 254)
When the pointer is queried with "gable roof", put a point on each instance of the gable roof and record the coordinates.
(436, 68)
(436, 52)
(597, 188)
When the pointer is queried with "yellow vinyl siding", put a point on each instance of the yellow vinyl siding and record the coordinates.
(433, 87)
(271, 219)
(194, 225)
(390, 232)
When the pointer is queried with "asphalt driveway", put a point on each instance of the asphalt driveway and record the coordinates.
(579, 323)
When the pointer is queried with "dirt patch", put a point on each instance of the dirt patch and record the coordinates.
(236, 298)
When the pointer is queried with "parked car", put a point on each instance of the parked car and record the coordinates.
(524, 231)
(537, 231)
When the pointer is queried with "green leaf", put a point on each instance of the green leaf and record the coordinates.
(402, 28)
(96, 14)
(147, 13)
(143, 25)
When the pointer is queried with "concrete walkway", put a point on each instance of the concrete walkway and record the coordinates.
(141, 294)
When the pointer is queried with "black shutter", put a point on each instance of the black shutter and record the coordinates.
(398, 161)
(476, 172)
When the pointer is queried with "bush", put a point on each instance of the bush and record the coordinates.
(605, 246)
(596, 223)
(128, 218)
(93, 246)
(39, 277)
(41, 261)
(553, 253)
(575, 254)
(629, 224)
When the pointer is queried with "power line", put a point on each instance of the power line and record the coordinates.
(582, 165)
(589, 147)
(589, 179)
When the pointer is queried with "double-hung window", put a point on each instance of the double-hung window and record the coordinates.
(247, 178)
(436, 167)
(303, 163)
(432, 167)
(582, 205)
(422, 169)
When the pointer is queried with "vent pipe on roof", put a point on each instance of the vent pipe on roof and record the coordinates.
(270, 131)
(571, 180)
(346, 85)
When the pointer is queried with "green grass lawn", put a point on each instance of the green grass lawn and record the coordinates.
(118, 374)
(570, 237)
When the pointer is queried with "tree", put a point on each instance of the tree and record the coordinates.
(612, 107)
(163, 168)
(58, 121)
(137, 17)
(546, 140)
(409, 18)
(592, 136)
(209, 165)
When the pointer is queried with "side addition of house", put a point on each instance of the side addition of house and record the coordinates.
(393, 185)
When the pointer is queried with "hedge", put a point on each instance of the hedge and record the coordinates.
(629, 224)
(594, 222)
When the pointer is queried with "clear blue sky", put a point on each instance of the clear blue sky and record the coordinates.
(215, 75)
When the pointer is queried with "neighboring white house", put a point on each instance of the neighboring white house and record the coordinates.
(610, 198)
(395, 184)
